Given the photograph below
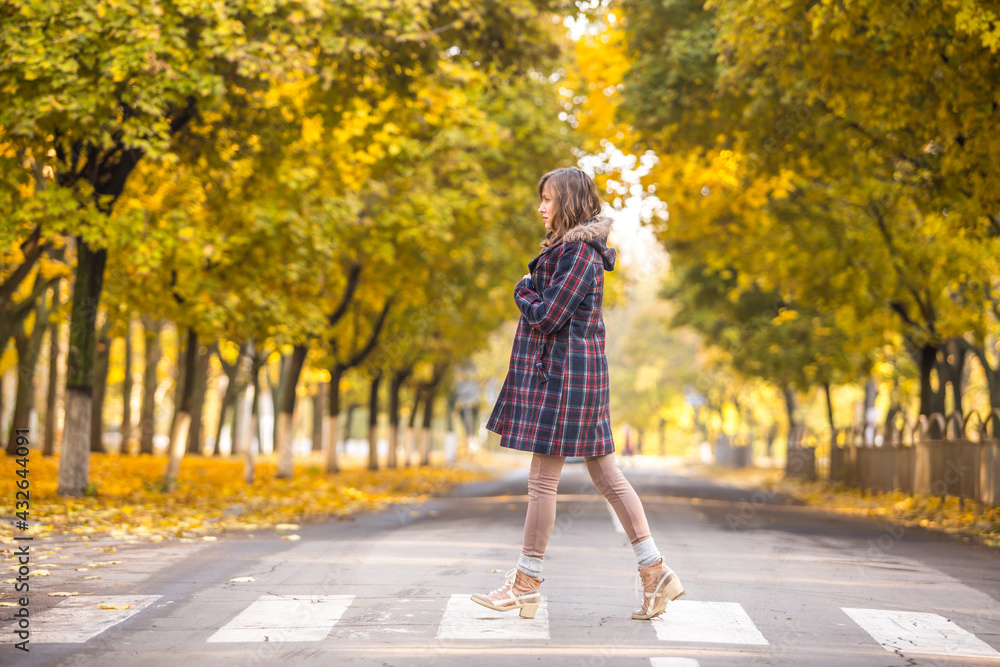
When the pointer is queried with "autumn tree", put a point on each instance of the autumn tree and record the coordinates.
(784, 161)
(91, 108)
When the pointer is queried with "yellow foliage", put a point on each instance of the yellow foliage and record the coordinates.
(212, 498)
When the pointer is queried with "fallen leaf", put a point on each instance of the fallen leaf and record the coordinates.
(241, 580)
(116, 606)
(293, 538)
(62, 594)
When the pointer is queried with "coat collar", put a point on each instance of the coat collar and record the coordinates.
(593, 232)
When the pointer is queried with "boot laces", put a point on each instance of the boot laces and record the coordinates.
(640, 591)
(511, 574)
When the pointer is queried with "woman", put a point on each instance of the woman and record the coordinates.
(554, 402)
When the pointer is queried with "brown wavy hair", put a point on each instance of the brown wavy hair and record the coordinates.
(574, 194)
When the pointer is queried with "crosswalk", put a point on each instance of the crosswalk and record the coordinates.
(76, 620)
(311, 618)
(285, 618)
(913, 631)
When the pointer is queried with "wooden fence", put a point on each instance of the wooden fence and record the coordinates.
(964, 462)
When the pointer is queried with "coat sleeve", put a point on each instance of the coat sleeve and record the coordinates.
(549, 310)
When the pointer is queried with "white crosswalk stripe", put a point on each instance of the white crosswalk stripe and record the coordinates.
(285, 618)
(912, 632)
(464, 619)
(77, 619)
(710, 622)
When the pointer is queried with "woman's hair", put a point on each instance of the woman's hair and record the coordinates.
(574, 194)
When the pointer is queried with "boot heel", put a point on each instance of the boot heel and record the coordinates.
(674, 589)
(529, 610)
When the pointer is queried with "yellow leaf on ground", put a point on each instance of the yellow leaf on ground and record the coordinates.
(62, 594)
(242, 580)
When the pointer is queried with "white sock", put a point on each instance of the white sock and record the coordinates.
(646, 552)
(530, 566)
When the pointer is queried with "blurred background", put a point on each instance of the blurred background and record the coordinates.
(290, 231)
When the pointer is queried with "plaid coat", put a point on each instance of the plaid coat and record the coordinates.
(555, 398)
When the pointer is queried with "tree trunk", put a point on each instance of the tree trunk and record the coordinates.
(317, 419)
(127, 390)
(398, 378)
(952, 370)
(24, 395)
(243, 412)
(74, 463)
(238, 378)
(226, 406)
(29, 347)
(52, 393)
(249, 467)
(349, 421)
(290, 372)
(186, 363)
(425, 431)
(791, 404)
(373, 422)
(930, 400)
(147, 412)
(829, 408)
(102, 354)
(199, 389)
(993, 384)
(869, 417)
(411, 428)
(332, 420)
(183, 400)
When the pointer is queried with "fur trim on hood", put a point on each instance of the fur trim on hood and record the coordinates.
(594, 233)
(595, 228)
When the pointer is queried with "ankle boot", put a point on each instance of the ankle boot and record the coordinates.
(659, 586)
(520, 591)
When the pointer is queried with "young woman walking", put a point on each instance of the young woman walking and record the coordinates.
(554, 402)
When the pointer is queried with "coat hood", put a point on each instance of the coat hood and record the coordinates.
(594, 233)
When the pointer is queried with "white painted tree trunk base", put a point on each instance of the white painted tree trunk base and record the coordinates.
(74, 461)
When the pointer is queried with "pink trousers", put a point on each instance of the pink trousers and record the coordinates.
(543, 482)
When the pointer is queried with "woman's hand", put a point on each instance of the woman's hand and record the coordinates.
(527, 275)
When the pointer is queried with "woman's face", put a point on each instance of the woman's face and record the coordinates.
(547, 208)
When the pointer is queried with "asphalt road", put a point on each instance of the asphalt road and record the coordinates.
(768, 583)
